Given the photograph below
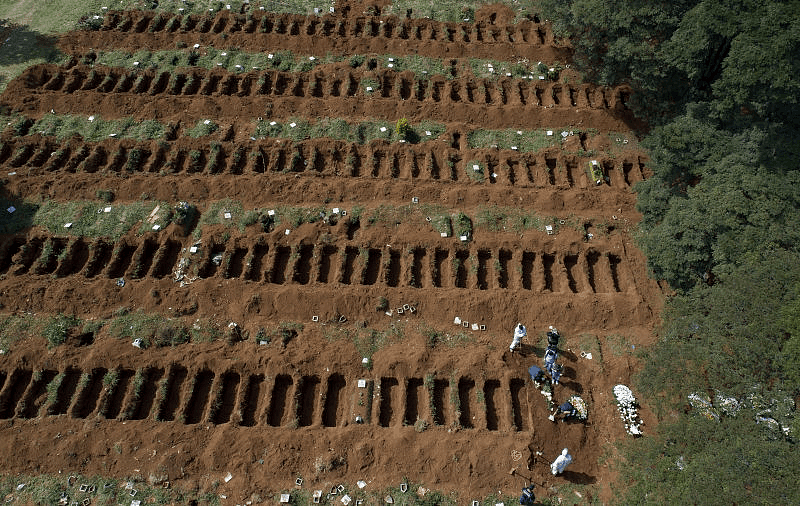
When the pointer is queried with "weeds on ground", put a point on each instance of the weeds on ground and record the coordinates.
(50, 489)
(475, 170)
(202, 128)
(57, 329)
(528, 141)
(14, 328)
(496, 218)
(152, 329)
(88, 219)
(456, 11)
(92, 128)
(462, 225)
(364, 132)
(435, 337)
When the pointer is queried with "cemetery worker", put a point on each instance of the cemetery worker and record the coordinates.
(555, 373)
(527, 498)
(550, 357)
(519, 332)
(552, 337)
(561, 462)
(567, 411)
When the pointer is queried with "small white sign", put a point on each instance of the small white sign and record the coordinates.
(476, 167)
(369, 88)
(156, 227)
(11, 209)
(107, 209)
(68, 225)
(549, 133)
(272, 123)
(444, 234)
(292, 124)
(463, 237)
(227, 216)
(362, 383)
(271, 212)
(361, 483)
(390, 65)
(383, 129)
(427, 132)
(513, 148)
(193, 249)
(335, 210)
(457, 320)
(287, 232)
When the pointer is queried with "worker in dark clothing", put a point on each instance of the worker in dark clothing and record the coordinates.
(553, 337)
(527, 498)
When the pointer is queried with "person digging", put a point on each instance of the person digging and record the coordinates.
(526, 498)
(516, 342)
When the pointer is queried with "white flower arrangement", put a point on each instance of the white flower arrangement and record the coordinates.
(628, 410)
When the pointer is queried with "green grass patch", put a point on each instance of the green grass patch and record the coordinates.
(217, 211)
(202, 128)
(23, 47)
(456, 11)
(232, 60)
(475, 170)
(520, 140)
(49, 489)
(153, 329)
(15, 328)
(363, 132)
(497, 219)
(58, 328)
(94, 128)
(88, 219)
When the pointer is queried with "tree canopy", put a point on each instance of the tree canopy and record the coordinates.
(718, 83)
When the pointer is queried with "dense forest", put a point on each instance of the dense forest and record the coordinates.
(717, 82)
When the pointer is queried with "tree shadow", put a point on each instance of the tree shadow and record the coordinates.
(20, 44)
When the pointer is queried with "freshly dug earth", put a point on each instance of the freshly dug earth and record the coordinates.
(441, 405)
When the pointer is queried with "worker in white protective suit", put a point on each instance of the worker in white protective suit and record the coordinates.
(519, 332)
(561, 462)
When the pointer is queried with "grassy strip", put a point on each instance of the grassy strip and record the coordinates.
(520, 140)
(234, 60)
(55, 329)
(231, 60)
(457, 11)
(88, 219)
(337, 128)
(94, 128)
(50, 489)
(495, 218)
